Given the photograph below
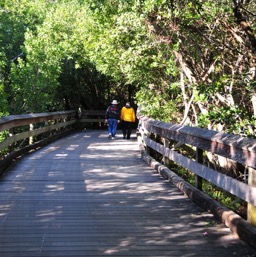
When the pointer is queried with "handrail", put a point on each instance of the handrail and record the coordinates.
(239, 149)
(92, 116)
(37, 129)
(33, 130)
(11, 121)
(234, 147)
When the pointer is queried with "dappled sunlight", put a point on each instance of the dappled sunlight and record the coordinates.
(97, 156)
(48, 213)
(176, 197)
(72, 147)
(197, 215)
(159, 236)
(26, 173)
(94, 195)
(56, 173)
(39, 154)
(50, 149)
(102, 186)
(112, 145)
(102, 172)
(111, 251)
(110, 153)
(54, 187)
(4, 210)
(117, 187)
(103, 136)
(19, 188)
(61, 155)
(87, 136)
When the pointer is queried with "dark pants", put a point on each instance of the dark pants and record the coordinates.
(127, 129)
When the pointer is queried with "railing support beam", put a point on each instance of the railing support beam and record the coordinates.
(251, 210)
(199, 159)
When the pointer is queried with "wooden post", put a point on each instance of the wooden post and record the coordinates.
(79, 112)
(147, 135)
(199, 159)
(166, 145)
(11, 133)
(143, 135)
(31, 128)
(251, 210)
(254, 103)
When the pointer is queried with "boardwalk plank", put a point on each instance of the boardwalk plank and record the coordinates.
(86, 195)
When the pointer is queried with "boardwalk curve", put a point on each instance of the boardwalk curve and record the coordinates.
(86, 195)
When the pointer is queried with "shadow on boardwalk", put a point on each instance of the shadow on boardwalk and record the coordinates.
(86, 195)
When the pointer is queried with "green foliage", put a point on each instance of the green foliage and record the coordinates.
(158, 104)
(180, 57)
(3, 102)
(231, 119)
(3, 136)
(230, 201)
(16, 19)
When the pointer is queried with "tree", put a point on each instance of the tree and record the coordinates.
(190, 62)
(214, 56)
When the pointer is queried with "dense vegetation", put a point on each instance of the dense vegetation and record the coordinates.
(184, 61)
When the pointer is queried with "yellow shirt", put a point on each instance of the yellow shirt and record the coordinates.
(128, 114)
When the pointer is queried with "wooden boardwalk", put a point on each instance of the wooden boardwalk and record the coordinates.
(86, 195)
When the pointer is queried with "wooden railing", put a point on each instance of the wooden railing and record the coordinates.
(22, 133)
(92, 118)
(165, 139)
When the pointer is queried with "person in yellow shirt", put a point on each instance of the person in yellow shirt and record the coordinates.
(127, 118)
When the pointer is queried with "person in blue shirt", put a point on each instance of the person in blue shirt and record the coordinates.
(112, 117)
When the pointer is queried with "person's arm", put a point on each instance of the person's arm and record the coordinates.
(122, 114)
(106, 115)
(133, 115)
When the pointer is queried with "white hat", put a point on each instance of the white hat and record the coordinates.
(114, 102)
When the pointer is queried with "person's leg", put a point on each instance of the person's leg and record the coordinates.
(114, 127)
(124, 133)
(110, 127)
(129, 130)
(124, 128)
